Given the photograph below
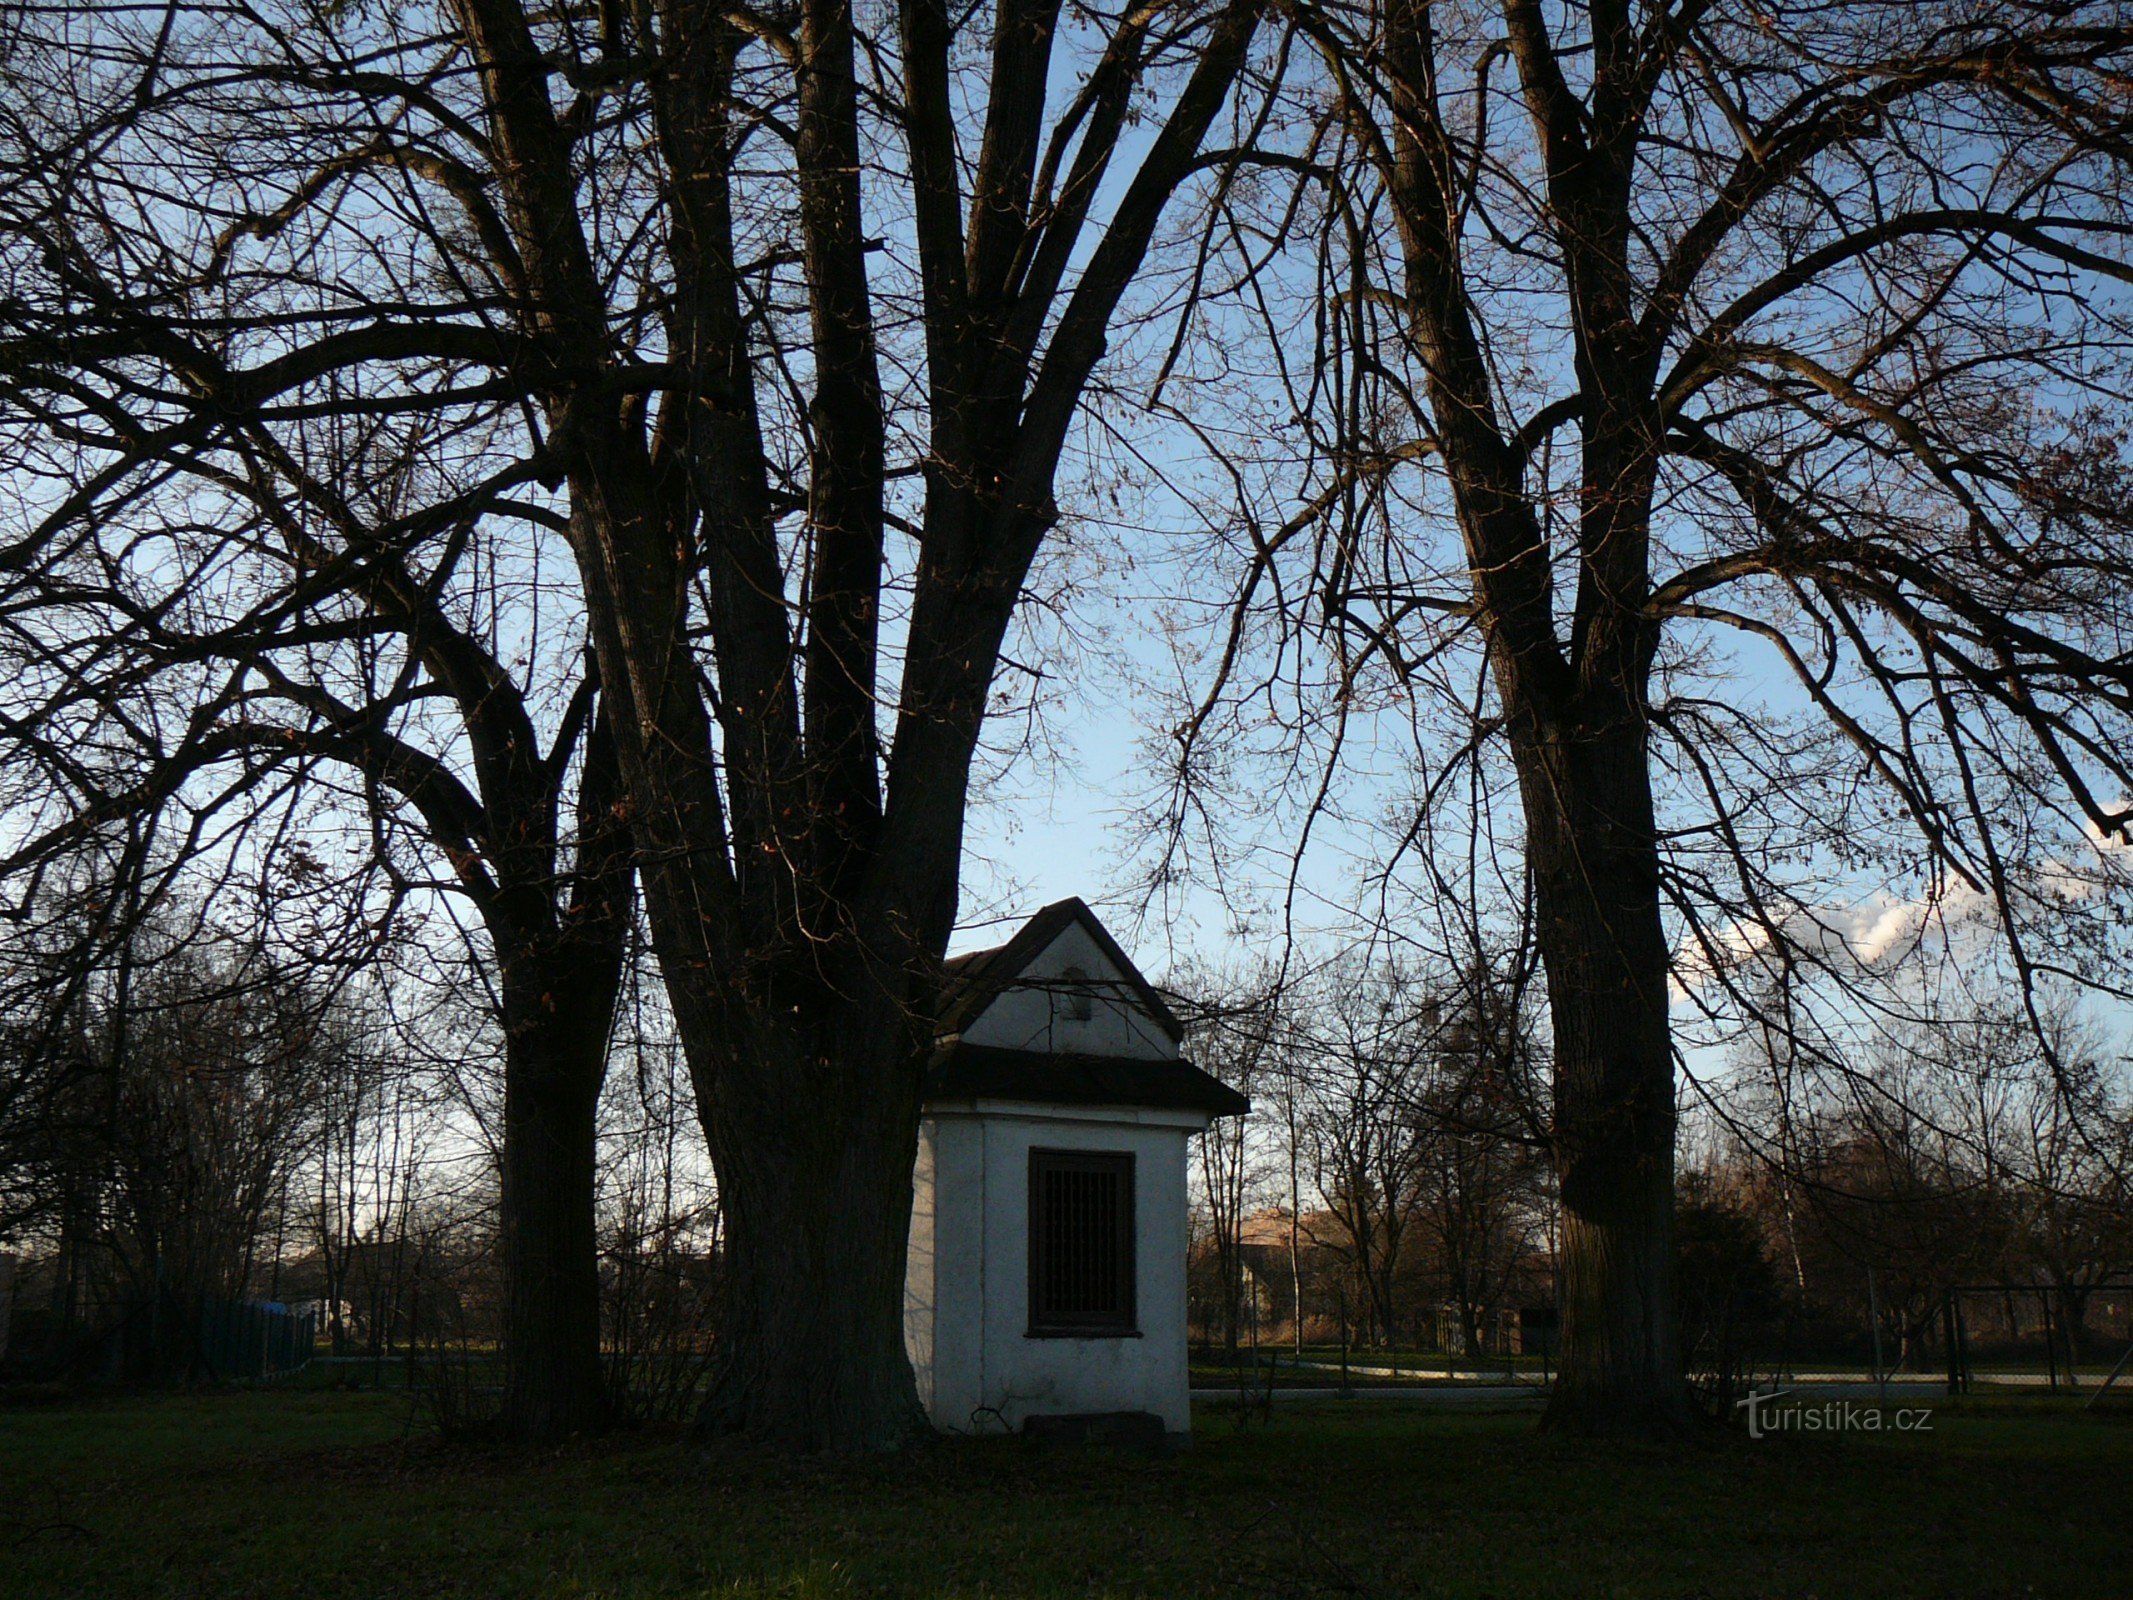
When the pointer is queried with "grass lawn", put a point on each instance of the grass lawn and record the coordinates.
(315, 1493)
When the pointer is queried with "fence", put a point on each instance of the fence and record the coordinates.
(161, 1338)
(253, 1340)
(2031, 1336)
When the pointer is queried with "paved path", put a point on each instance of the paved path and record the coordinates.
(1468, 1375)
(1447, 1394)
(1509, 1386)
(1810, 1385)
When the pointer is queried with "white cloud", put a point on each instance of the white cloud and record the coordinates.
(1883, 930)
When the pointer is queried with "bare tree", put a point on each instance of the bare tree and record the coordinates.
(1660, 349)
(295, 634)
(660, 1226)
(2073, 1156)
(783, 325)
(1481, 1186)
(1234, 1029)
(193, 1070)
(1362, 1081)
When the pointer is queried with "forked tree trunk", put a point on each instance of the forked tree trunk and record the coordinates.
(1594, 855)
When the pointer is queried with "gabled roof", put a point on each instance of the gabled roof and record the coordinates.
(975, 978)
(985, 1072)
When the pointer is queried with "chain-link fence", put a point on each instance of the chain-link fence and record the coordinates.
(2028, 1336)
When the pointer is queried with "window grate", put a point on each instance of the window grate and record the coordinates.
(1080, 1242)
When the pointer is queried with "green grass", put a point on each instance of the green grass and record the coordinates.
(321, 1494)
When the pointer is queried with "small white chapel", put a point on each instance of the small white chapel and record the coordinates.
(1046, 1277)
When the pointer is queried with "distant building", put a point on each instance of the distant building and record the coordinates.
(1049, 1221)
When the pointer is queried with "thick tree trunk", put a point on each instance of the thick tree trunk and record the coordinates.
(814, 1162)
(555, 1060)
(1594, 855)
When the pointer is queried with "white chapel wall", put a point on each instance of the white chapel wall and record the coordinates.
(968, 1326)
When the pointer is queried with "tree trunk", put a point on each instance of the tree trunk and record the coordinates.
(555, 1060)
(1229, 1264)
(1389, 1295)
(1594, 855)
(2074, 1317)
(814, 1161)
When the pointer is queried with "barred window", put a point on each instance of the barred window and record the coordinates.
(1080, 1242)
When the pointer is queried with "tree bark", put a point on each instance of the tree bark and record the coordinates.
(1594, 855)
(555, 1059)
(816, 1191)
(560, 945)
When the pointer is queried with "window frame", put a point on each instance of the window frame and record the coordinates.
(1125, 1323)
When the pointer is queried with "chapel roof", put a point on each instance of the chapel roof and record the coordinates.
(988, 1072)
